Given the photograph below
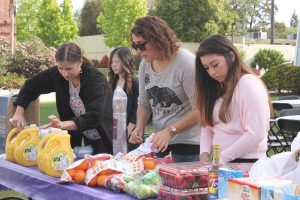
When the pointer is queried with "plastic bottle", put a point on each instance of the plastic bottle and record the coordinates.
(57, 155)
(26, 142)
(42, 144)
(119, 121)
(10, 145)
(213, 173)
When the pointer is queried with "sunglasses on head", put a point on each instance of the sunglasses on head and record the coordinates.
(141, 46)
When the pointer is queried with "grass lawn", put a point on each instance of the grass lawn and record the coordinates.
(46, 109)
(49, 108)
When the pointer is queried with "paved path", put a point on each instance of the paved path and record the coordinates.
(43, 98)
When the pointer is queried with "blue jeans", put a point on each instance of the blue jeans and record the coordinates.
(185, 158)
(179, 157)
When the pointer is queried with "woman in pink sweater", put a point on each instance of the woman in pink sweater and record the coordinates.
(233, 103)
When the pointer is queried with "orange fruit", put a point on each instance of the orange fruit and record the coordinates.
(84, 165)
(149, 164)
(93, 181)
(71, 172)
(79, 176)
(101, 180)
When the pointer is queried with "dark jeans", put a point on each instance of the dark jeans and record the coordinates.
(179, 157)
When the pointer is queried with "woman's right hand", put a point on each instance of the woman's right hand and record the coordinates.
(136, 136)
(18, 121)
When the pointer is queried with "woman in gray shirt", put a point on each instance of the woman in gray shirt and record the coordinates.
(166, 90)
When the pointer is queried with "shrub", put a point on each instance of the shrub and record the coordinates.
(5, 52)
(104, 62)
(269, 78)
(95, 63)
(12, 81)
(30, 58)
(283, 78)
(268, 58)
(292, 79)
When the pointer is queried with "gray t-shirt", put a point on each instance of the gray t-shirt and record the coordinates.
(169, 95)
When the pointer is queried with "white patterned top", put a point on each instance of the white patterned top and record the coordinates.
(78, 108)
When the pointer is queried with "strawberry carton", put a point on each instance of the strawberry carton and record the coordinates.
(184, 175)
(167, 193)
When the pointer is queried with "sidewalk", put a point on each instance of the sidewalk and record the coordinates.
(43, 98)
(48, 97)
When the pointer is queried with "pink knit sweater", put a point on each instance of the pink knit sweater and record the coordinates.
(245, 136)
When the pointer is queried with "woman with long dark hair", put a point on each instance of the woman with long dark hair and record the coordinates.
(233, 103)
(121, 73)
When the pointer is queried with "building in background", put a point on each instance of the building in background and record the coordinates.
(5, 18)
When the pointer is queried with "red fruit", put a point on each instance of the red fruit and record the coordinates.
(189, 198)
(178, 181)
(203, 181)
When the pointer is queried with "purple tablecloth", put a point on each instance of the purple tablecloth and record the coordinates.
(30, 182)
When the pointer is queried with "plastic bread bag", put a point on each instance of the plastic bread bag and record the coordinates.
(277, 165)
(296, 143)
(144, 150)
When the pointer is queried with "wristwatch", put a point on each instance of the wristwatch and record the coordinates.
(173, 130)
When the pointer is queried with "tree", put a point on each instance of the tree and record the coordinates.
(294, 20)
(88, 18)
(118, 18)
(280, 28)
(253, 15)
(27, 18)
(68, 23)
(194, 20)
(53, 27)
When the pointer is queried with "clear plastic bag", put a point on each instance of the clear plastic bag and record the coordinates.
(119, 121)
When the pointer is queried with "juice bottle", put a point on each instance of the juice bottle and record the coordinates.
(10, 145)
(213, 173)
(57, 155)
(25, 150)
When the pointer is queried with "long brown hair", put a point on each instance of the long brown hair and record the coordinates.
(209, 90)
(127, 64)
(158, 33)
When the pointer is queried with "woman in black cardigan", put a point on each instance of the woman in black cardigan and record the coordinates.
(83, 99)
(121, 73)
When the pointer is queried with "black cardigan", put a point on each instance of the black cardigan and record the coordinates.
(95, 94)
(131, 99)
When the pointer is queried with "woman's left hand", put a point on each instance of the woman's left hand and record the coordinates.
(54, 122)
(161, 140)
